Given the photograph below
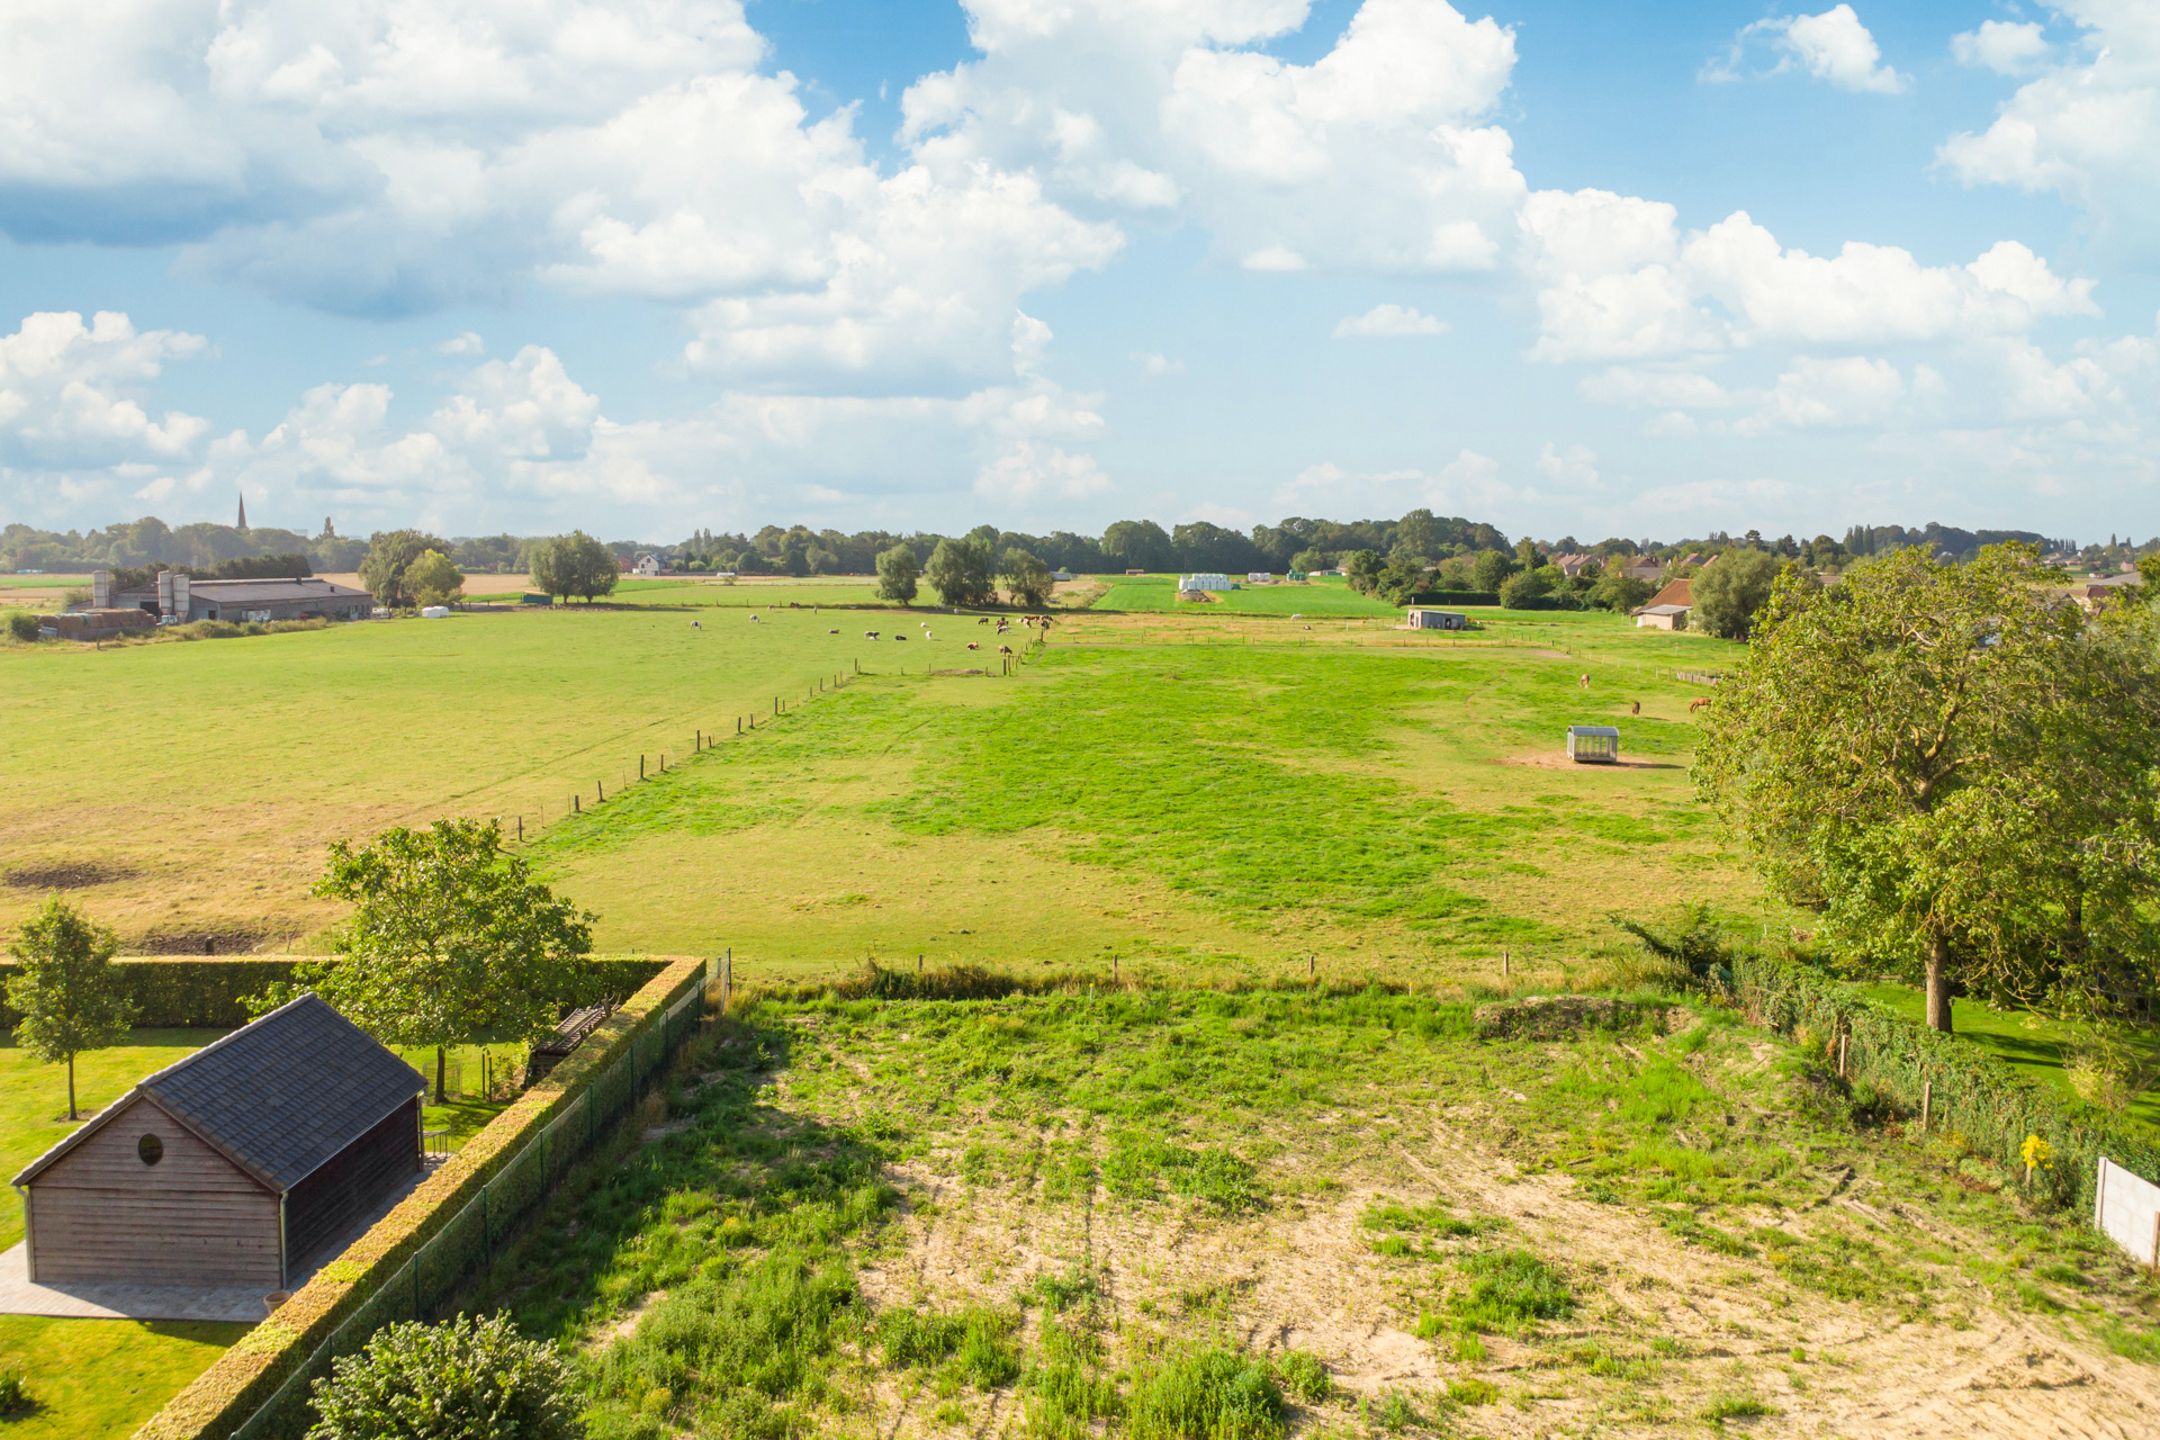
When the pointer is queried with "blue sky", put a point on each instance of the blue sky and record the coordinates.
(1570, 268)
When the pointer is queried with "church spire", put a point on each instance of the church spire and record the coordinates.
(241, 523)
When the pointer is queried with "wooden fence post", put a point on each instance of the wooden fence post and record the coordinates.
(521, 829)
(575, 808)
(600, 789)
(641, 765)
(727, 979)
(1842, 1040)
(1927, 1103)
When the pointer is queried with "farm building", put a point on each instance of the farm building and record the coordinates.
(1422, 618)
(646, 564)
(1593, 744)
(1668, 609)
(1191, 584)
(96, 624)
(237, 1165)
(298, 597)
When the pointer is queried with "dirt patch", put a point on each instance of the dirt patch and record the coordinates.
(1558, 1017)
(231, 938)
(1558, 760)
(624, 1324)
(68, 874)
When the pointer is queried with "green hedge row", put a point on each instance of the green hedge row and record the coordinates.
(223, 1397)
(1976, 1099)
(211, 992)
(1453, 597)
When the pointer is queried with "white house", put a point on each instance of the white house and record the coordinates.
(646, 563)
(1193, 583)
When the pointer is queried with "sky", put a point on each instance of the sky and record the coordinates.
(650, 266)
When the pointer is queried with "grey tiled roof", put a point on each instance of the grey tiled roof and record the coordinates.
(245, 592)
(284, 1094)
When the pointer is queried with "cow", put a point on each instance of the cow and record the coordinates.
(834, 631)
(1636, 708)
(974, 645)
(695, 626)
(1583, 680)
(982, 620)
(753, 619)
(899, 637)
(1005, 650)
(869, 634)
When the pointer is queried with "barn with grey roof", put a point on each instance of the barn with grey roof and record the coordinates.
(238, 1164)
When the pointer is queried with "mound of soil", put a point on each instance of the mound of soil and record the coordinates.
(66, 874)
(1557, 1017)
(228, 938)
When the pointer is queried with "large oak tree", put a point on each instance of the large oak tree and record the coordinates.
(1957, 768)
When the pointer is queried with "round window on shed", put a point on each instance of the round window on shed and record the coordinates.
(151, 1149)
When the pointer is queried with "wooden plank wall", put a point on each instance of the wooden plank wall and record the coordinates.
(100, 1213)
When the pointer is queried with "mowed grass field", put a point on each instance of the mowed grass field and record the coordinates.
(1197, 796)
(188, 791)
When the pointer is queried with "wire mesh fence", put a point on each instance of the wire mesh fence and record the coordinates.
(428, 1284)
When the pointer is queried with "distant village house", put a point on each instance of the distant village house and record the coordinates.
(1668, 609)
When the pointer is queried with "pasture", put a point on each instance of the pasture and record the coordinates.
(1310, 1212)
(1199, 797)
(1327, 595)
(185, 792)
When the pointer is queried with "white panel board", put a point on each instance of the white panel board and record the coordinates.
(2127, 1211)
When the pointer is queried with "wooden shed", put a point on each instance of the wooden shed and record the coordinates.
(1423, 618)
(236, 1165)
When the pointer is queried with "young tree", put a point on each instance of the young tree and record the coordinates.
(1617, 591)
(959, 571)
(1361, 568)
(1958, 773)
(390, 554)
(66, 990)
(451, 940)
(1527, 590)
(1490, 568)
(897, 572)
(463, 1380)
(1027, 579)
(1729, 592)
(433, 580)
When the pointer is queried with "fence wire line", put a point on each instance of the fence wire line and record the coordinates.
(439, 1268)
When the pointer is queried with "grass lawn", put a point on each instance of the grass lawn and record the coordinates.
(1199, 797)
(41, 582)
(751, 592)
(1352, 1214)
(342, 732)
(2032, 1045)
(102, 1378)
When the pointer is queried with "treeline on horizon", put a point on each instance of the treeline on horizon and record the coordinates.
(1296, 543)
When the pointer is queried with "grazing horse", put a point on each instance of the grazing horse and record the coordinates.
(1583, 680)
(1636, 708)
(1700, 702)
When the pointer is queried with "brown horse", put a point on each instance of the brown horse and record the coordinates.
(1700, 702)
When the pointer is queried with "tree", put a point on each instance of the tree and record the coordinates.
(433, 580)
(390, 554)
(1137, 545)
(959, 571)
(66, 990)
(450, 941)
(1490, 568)
(1618, 591)
(574, 564)
(1729, 592)
(897, 572)
(1308, 560)
(1526, 590)
(1027, 579)
(1956, 772)
(472, 1378)
(1361, 568)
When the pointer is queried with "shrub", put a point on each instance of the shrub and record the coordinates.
(14, 1395)
(1509, 1290)
(464, 1379)
(22, 625)
(1303, 1377)
(1211, 1395)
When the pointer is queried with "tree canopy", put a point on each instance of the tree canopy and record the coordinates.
(1027, 579)
(574, 564)
(1730, 590)
(897, 572)
(433, 580)
(451, 940)
(390, 554)
(1957, 771)
(960, 571)
(66, 990)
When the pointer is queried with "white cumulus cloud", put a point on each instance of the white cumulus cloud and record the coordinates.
(1389, 321)
(2007, 47)
(1833, 47)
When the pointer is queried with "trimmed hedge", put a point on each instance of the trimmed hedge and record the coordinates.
(1976, 1097)
(1453, 597)
(208, 992)
(244, 1377)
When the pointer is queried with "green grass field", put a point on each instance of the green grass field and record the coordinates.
(1329, 595)
(759, 592)
(1297, 1212)
(1224, 800)
(184, 791)
(41, 582)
